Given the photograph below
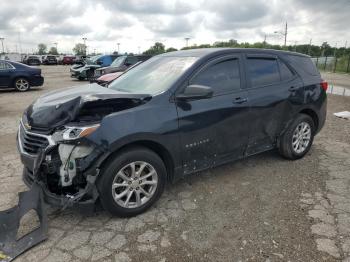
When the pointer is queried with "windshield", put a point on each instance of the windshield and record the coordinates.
(153, 76)
(119, 61)
(92, 60)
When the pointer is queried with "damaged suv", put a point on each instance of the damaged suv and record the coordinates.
(175, 114)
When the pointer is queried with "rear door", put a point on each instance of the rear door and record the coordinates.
(215, 130)
(274, 92)
(5, 73)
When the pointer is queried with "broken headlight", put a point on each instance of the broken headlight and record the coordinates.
(75, 132)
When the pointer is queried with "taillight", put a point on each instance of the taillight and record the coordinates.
(324, 85)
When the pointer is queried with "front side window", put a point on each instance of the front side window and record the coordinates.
(223, 77)
(153, 76)
(263, 71)
(118, 61)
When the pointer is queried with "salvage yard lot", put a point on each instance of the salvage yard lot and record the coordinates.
(263, 208)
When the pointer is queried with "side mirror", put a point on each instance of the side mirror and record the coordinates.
(193, 92)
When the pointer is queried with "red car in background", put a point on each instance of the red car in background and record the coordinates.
(68, 60)
(104, 80)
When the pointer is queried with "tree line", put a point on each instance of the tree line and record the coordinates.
(313, 50)
(158, 48)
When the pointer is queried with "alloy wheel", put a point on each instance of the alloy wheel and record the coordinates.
(134, 184)
(22, 84)
(301, 137)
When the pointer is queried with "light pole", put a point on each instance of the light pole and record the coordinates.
(284, 34)
(118, 44)
(2, 44)
(187, 38)
(84, 39)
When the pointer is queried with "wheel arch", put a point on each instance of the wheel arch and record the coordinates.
(310, 112)
(156, 147)
(14, 79)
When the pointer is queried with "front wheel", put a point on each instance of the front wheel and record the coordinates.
(298, 138)
(21, 84)
(132, 182)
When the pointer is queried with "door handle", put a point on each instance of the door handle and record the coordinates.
(293, 88)
(239, 100)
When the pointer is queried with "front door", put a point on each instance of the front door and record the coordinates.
(215, 130)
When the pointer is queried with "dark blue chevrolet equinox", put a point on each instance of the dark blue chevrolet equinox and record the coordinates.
(175, 114)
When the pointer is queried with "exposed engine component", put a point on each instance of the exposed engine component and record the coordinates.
(68, 155)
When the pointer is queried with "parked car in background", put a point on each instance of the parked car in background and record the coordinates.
(32, 60)
(87, 70)
(106, 79)
(80, 59)
(173, 115)
(121, 64)
(49, 60)
(68, 60)
(19, 76)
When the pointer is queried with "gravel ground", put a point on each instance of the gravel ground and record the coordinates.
(263, 208)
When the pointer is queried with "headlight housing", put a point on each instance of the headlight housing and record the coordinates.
(75, 132)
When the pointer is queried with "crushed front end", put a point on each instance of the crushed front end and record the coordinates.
(66, 174)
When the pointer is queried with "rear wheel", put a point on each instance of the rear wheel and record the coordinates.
(21, 84)
(298, 138)
(132, 182)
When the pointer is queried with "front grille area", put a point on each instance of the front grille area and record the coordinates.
(31, 142)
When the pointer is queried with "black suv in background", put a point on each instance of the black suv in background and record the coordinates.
(175, 114)
(32, 60)
(49, 60)
(121, 64)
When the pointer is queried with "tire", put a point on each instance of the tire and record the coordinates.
(115, 200)
(21, 84)
(302, 129)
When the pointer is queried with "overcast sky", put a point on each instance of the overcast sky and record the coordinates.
(139, 23)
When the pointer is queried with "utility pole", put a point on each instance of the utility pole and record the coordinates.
(187, 38)
(2, 44)
(285, 35)
(118, 44)
(309, 51)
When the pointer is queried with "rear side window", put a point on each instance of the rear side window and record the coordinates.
(263, 71)
(286, 74)
(4, 65)
(304, 64)
(223, 77)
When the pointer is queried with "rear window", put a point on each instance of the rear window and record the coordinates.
(263, 71)
(286, 73)
(304, 64)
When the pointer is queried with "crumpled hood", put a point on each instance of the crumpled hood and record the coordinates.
(57, 108)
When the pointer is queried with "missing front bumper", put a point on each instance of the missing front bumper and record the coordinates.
(10, 246)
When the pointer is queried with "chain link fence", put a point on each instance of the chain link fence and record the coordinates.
(333, 64)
